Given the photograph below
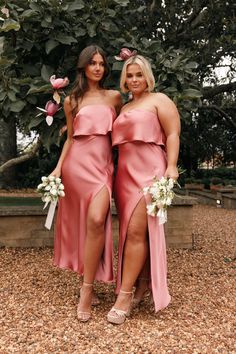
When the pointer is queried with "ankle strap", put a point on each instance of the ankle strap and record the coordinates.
(126, 292)
(87, 284)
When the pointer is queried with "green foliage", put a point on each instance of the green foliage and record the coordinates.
(183, 42)
(206, 182)
(222, 175)
(216, 180)
(28, 176)
(46, 39)
(221, 172)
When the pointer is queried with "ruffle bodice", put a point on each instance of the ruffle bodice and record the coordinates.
(138, 125)
(96, 119)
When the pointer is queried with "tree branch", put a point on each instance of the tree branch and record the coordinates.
(221, 113)
(22, 158)
(209, 92)
(194, 20)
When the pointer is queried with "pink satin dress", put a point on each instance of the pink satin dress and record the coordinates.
(87, 168)
(141, 143)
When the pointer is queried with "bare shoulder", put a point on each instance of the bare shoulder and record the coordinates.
(162, 102)
(161, 97)
(68, 105)
(115, 99)
(113, 94)
(67, 102)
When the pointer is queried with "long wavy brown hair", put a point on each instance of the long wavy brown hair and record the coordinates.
(81, 84)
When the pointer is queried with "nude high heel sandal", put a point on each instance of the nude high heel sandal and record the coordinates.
(95, 300)
(84, 316)
(117, 316)
(136, 301)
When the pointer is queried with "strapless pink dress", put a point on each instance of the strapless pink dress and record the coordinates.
(87, 168)
(142, 156)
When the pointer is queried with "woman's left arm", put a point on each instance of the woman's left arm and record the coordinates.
(170, 122)
(117, 101)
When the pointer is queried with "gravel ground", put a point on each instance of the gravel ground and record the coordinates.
(38, 301)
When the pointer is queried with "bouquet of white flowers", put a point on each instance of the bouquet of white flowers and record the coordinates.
(162, 195)
(51, 188)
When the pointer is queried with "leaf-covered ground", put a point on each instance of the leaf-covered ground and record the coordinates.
(38, 301)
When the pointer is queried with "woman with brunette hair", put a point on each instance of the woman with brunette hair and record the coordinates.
(147, 135)
(83, 239)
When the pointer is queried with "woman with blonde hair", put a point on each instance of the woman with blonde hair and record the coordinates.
(147, 135)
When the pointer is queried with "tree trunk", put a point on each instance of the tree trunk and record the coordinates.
(8, 150)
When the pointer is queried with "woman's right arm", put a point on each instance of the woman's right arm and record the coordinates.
(69, 122)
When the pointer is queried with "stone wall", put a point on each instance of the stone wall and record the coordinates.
(23, 226)
(203, 197)
(229, 201)
(224, 197)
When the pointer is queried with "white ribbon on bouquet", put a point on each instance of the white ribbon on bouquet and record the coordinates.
(50, 214)
(51, 188)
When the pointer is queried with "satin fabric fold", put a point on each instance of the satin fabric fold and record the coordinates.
(141, 140)
(87, 168)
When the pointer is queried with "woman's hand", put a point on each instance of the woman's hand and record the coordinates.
(56, 172)
(172, 172)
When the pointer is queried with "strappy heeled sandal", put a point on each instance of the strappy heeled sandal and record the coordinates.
(95, 300)
(84, 316)
(117, 316)
(136, 301)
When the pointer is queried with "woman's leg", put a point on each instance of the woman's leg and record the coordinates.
(94, 244)
(142, 283)
(135, 253)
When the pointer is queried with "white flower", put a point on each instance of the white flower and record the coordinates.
(46, 198)
(44, 179)
(162, 194)
(171, 183)
(163, 180)
(145, 190)
(151, 208)
(51, 188)
(53, 191)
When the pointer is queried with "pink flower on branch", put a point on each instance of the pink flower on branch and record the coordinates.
(51, 108)
(5, 11)
(58, 83)
(125, 54)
